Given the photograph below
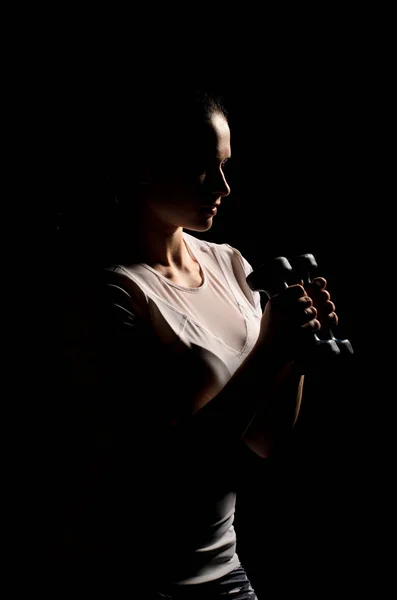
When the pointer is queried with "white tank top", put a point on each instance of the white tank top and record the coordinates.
(219, 322)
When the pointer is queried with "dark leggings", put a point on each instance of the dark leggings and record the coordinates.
(234, 586)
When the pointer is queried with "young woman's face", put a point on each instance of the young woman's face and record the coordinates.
(186, 190)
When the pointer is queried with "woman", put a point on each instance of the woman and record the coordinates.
(188, 371)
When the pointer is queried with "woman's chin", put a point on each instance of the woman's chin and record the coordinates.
(199, 226)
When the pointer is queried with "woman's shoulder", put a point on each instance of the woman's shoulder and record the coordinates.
(120, 289)
(121, 276)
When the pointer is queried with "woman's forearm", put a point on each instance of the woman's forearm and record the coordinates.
(275, 418)
(225, 418)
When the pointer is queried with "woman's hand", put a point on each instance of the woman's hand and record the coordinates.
(289, 322)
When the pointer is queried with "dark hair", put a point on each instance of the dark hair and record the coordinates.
(211, 102)
(149, 128)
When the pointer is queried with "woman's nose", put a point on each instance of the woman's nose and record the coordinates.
(222, 186)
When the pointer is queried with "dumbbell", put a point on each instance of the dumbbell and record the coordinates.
(304, 266)
(272, 277)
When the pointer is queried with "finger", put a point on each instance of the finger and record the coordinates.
(322, 295)
(313, 325)
(316, 287)
(295, 291)
(321, 299)
(303, 302)
(324, 313)
(326, 308)
(288, 296)
(299, 313)
(331, 320)
(309, 314)
(319, 283)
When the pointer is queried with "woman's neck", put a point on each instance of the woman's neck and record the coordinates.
(165, 249)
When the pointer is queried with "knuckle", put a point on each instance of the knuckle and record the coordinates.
(296, 290)
(330, 307)
(325, 295)
(316, 325)
(320, 282)
(333, 318)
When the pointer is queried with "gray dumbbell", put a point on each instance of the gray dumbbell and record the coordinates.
(272, 277)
